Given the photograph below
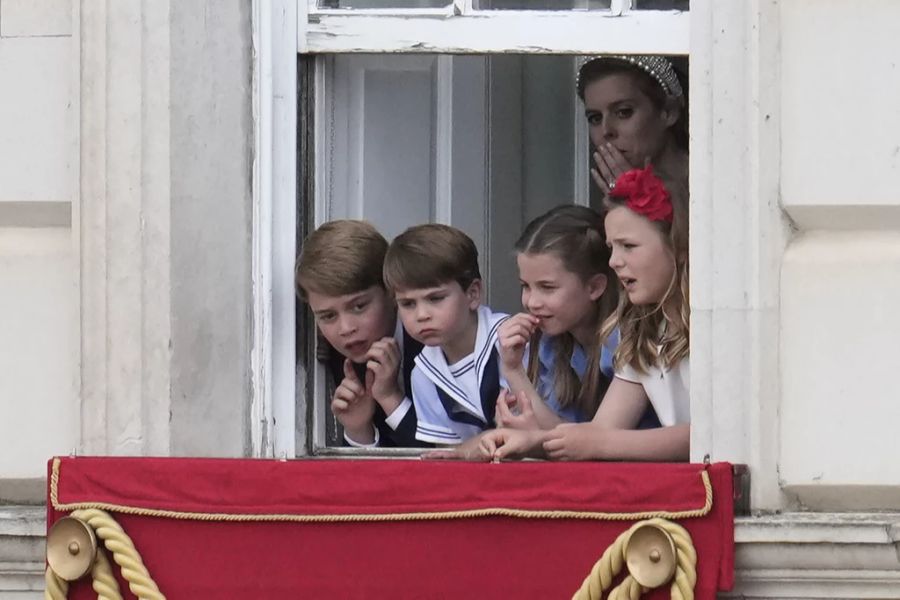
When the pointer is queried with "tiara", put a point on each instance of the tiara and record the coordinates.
(657, 67)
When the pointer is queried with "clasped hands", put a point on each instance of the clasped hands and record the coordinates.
(517, 436)
(354, 401)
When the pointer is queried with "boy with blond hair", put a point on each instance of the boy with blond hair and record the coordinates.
(432, 270)
(339, 275)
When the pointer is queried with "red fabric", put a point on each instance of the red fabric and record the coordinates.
(644, 193)
(496, 557)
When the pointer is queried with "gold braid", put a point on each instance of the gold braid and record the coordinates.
(612, 561)
(700, 511)
(124, 554)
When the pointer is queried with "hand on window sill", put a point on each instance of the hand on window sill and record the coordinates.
(470, 450)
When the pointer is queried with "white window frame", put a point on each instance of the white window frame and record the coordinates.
(734, 289)
(468, 31)
(274, 378)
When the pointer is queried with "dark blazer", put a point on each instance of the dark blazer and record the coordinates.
(405, 434)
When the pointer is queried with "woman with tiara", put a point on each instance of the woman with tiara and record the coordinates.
(637, 115)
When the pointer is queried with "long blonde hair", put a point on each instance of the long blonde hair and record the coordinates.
(640, 344)
(574, 234)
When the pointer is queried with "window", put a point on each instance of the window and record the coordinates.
(491, 133)
(452, 36)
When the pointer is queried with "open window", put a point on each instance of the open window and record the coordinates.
(475, 100)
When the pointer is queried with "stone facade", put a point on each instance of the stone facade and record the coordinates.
(127, 270)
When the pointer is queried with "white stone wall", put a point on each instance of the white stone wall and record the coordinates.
(38, 292)
(125, 223)
(125, 220)
(125, 215)
(840, 95)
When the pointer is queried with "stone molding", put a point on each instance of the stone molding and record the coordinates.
(738, 236)
(22, 531)
(162, 225)
(818, 555)
(121, 222)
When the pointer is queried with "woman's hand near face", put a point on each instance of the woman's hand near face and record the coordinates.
(513, 337)
(610, 164)
(354, 408)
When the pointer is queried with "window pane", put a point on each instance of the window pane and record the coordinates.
(662, 4)
(384, 3)
(540, 4)
(484, 142)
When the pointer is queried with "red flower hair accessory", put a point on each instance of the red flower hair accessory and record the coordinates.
(645, 194)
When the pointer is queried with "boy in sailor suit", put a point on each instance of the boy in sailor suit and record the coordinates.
(433, 273)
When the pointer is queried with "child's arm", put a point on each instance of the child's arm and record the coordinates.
(496, 443)
(513, 443)
(353, 409)
(471, 450)
(623, 405)
(587, 441)
(544, 418)
(512, 338)
(610, 435)
(383, 361)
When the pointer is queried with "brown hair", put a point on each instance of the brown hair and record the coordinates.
(597, 69)
(430, 255)
(640, 345)
(340, 257)
(575, 235)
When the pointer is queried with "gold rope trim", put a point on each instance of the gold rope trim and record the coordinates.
(615, 558)
(124, 554)
(415, 516)
(55, 588)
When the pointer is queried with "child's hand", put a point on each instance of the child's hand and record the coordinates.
(515, 411)
(383, 363)
(513, 336)
(469, 450)
(510, 443)
(573, 441)
(353, 407)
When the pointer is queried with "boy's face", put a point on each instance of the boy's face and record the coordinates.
(353, 322)
(438, 316)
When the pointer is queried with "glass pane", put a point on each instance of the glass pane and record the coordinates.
(662, 4)
(496, 139)
(384, 3)
(540, 4)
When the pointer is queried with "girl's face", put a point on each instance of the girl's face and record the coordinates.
(640, 256)
(620, 113)
(560, 298)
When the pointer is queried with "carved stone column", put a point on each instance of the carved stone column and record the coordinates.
(163, 224)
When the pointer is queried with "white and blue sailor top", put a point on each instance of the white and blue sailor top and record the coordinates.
(456, 402)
